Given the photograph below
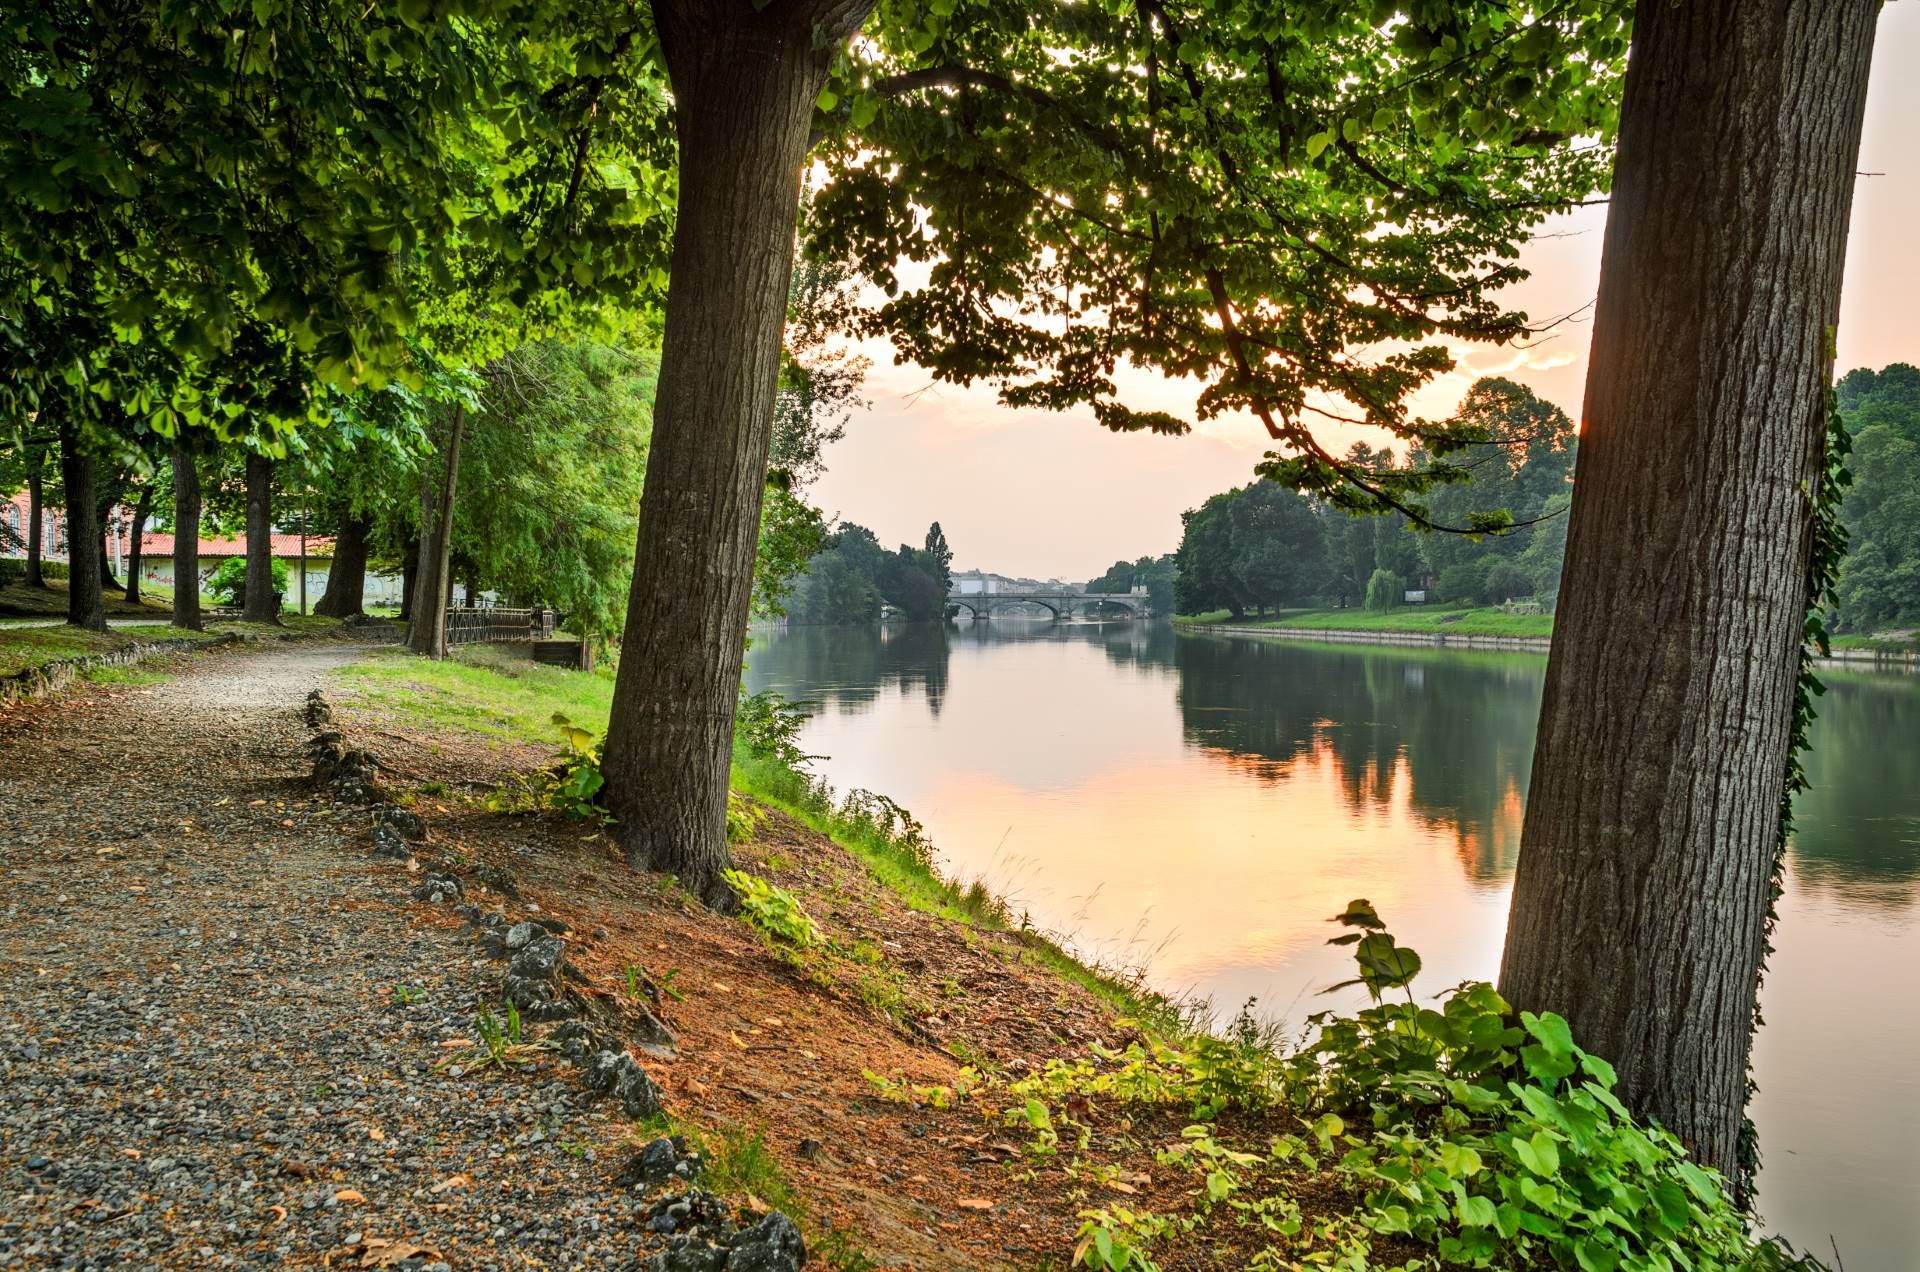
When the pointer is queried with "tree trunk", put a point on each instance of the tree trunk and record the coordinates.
(409, 578)
(1641, 903)
(428, 634)
(104, 506)
(186, 539)
(86, 606)
(744, 83)
(347, 575)
(260, 607)
(141, 510)
(36, 514)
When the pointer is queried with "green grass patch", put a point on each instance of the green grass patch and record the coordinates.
(1466, 621)
(22, 648)
(50, 601)
(1880, 642)
(487, 690)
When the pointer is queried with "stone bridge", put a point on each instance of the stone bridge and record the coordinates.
(1062, 605)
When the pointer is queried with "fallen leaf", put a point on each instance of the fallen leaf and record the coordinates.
(774, 1022)
(736, 1041)
(349, 1194)
(375, 1134)
(134, 1153)
(723, 987)
(974, 1203)
(255, 803)
(696, 1087)
(451, 1181)
(279, 1215)
(457, 1042)
(1120, 1187)
(756, 1205)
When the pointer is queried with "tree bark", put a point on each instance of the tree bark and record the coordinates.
(86, 605)
(104, 505)
(260, 607)
(409, 578)
(347, 575)
(1645, 878)
(186, 538)
(428, 634)
(36, 514)
(744, 84)
(141, 510)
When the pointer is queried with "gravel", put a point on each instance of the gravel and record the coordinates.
(205, 1059)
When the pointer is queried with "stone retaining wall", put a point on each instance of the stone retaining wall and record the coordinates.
(52, 677)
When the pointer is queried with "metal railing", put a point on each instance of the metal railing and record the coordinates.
(471, 626)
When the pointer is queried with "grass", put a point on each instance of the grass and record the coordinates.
(126, 677)
(1896, 642)
(1463, 621)
(484, 690)
(24, 647)
(487, 691)
(51, 601)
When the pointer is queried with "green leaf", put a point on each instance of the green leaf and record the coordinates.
(1475, 1212)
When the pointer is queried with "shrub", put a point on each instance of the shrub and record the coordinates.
(1384, 590)
(12, 571)
(1464, 580)
(55, 570)
(229, 581)
(1505, 581)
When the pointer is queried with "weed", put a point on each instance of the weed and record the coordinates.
(773, 910)
(405, 995)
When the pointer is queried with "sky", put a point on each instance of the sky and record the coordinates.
(1046, 494)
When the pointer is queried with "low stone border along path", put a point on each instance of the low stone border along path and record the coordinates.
(205, 1061)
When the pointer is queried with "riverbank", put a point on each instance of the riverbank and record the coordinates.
(1487, 628)
(921, 1077)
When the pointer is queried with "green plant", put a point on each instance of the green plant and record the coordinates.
(742, 818)
(404, 995)
(571, 784)
(229, 579)
(773, 910)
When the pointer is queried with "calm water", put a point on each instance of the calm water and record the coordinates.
(1201, 805)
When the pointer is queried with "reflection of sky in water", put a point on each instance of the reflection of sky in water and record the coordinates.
(1202, 805)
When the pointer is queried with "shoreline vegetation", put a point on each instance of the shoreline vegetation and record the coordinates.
(1134, 1131)
(1481, 626)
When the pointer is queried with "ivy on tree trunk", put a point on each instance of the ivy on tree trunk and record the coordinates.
(1645, 877)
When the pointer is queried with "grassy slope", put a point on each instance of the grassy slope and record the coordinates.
(51, 602)
(1479, 621)
(490, 692)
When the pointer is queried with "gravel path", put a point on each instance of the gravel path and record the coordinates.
(204, 1060)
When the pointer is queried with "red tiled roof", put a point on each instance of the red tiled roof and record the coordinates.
(284, 545)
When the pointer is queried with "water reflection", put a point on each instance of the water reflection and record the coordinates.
(1201, 805)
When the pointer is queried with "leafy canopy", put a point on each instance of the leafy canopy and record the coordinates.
(1294, 206)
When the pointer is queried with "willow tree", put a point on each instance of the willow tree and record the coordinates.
(1217, 189)
(1654, 827)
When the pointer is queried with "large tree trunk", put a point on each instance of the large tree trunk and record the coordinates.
(347, 575)
(260, 607)
(744, 83)
(409, 578)
(1641, 903)
(186, 539)
(428, 633)
(86, 606)
(141, 510)
(36, 514)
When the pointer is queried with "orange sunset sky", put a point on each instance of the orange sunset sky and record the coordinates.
(1036, 493)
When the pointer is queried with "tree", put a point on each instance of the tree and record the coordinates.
(1384, 590)
(1045, 161)
(838, 586)
(262, 598)
(938, 560)
(1654, 817)
(186, 536)
(1880, 579)
(745, 79)
(1278, 546)
(905, 581)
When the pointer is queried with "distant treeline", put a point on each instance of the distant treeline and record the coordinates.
(1264, 546)
(851, 577)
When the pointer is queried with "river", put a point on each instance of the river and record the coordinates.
(1199, 805)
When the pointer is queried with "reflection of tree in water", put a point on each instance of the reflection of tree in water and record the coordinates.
(847, 667)
(1461, 725)
(1858, 826)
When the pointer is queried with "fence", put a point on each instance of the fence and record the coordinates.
(471, 626)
